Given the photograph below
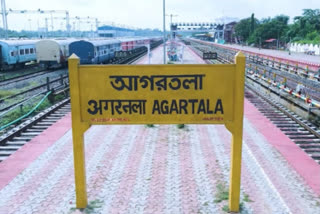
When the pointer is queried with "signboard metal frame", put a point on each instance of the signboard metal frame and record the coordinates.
(235, 126)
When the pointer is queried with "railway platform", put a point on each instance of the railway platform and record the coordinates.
(163, 169)
(300, 57)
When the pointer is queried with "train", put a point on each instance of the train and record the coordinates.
(55, 52)
(16, 53)
(95, 51)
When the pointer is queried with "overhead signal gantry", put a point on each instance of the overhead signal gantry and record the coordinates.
(39, 11)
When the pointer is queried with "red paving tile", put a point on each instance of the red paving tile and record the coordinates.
(20, 160)
(297, 158)
(188, 186)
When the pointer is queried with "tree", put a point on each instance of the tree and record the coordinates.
(275, 28)
(252, 23)
(307, 23)
(243, 28)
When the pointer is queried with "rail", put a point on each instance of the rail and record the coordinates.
(313, 99)
(27, 114)
(47, 85)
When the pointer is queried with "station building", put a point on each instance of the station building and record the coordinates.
(112, 31)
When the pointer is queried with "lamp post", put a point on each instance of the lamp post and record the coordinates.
(164, 32)
(171, 15)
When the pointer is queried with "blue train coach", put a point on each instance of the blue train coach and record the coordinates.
(16, 53)
(94, 51)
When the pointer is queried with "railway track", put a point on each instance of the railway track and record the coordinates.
(263, 67)
(30, 128)
(300, 131)
(23, 77)
(136, 56)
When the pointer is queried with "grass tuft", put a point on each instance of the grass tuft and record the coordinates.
(222, 193)
(246, 198)
(180, 126)
(91, 207)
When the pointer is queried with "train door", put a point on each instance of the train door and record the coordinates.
(20, 54)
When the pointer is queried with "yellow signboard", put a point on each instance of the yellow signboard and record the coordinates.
(162, 94)
(167, 94)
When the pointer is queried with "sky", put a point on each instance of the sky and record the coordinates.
(149, 13)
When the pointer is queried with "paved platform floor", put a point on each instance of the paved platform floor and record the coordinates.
(136, 169)
(279, 53)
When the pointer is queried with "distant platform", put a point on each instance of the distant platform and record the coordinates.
(279, 53)
(136, 169)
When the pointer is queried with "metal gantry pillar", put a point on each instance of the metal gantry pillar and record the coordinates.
(68, 26)
(4, 18)
(4, 13)
(149, 53)
(97, 27)
(164, 31)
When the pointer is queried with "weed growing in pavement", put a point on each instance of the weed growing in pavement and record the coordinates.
(226, 209)
(150, 125)
(246, 198)
(91, 207)
(180, 126)
(222, 193)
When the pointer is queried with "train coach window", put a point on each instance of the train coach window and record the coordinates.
(21, 51)
(31, 50)
(26, 51)
(105, 51)
(12, 53)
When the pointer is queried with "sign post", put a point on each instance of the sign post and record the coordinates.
(78, 129)
(162, 94)
(236, 129)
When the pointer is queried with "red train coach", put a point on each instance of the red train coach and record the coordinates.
(127, 44)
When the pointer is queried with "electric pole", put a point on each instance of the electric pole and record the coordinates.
(164, 31)
(5, 12)
(4, 18)
(171, 15)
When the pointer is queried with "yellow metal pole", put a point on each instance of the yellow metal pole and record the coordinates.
(78, 129)
(236, 129)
